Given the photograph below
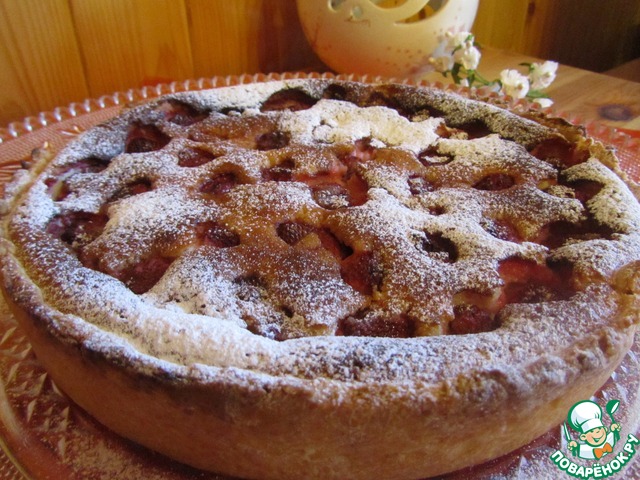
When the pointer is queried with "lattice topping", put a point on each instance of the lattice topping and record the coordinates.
(327, 208)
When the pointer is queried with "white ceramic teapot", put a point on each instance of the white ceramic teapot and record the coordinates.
(393, 38)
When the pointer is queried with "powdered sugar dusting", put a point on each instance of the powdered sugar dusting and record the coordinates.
(264, 239)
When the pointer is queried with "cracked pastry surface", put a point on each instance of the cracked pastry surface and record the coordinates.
(362, 243)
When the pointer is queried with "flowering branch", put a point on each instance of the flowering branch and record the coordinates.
(459, 55)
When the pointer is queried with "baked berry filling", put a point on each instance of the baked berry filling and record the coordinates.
(181, 113)
(194, 157)
(362, 271)
(283, 172)
(216, 235)
(470, 319)
(438, 247)
(77, 228)
(337, 177)
(397, 326)
(431, 157)
(57, 184)
(136, 187)
(141, 277)
(502, 229)
(145, 138)
(293, 100)
(293, 232)
(560, 152)
(475, 129)
(495, 181)
(220, 183)
(529, 282)
(272, 140)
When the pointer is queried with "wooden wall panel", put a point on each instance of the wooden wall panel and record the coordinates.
(127, 43)
(588, 34)
(54, 52)
(40, 62)
(224, 36)
(247, 36)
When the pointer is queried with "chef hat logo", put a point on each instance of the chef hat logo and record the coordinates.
(585, 416)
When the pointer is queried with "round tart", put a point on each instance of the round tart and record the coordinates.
(325, 279)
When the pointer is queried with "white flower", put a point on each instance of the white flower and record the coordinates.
(442, 64)
(542, 74)
(469, 57)
(514, 83)
(455, 40)
(543, 102)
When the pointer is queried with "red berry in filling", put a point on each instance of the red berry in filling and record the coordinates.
(272, 140)
(502, 229)
(143, 276)
(283, 172)
(292, 99)
(194, 157)
(145, 138)
(77, 227)
(398, 326)
(181, 113)
(217, 235)
(331, 195)
(362, 272)
(471, 319)
(419, 185)
(441, 247)
(529, 282)
(219, 184)
(134, 188)
(559, 152)
(293, 232)
(495, 181)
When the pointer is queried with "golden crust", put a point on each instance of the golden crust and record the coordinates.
(325, 407)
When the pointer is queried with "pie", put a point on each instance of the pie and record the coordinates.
(319, 278)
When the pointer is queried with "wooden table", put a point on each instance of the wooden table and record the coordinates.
(587, 96)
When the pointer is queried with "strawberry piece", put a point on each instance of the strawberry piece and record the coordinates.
(282, 172)
(398, 326)
(219, 184)
(331, 243)
(331, 195)
(182, 113)
(419, 185)
(77, 227)
(471, 319)
(475, 129)
(362, 152)
(293, 99)
(362, 272)
(194, 157)
(502, 229)
(430, 157)
(216, 235)
(528, 282)
(145, 138)
(559, 152)
(134, 188)
(585, 190)
(558, 233)
(57, 186)
(442, 248)
(144, 275)
(272, 140)
(293, 232)
(495, 181)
